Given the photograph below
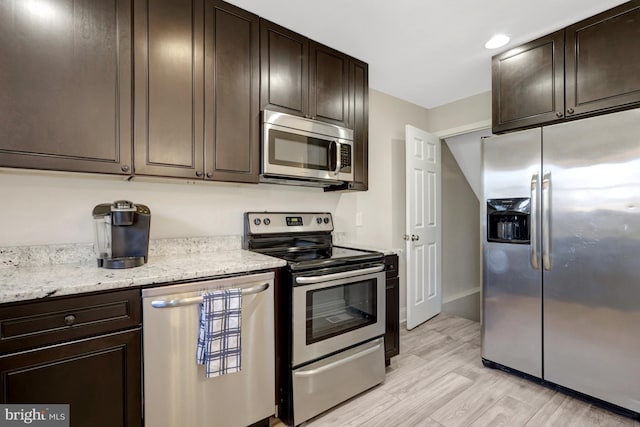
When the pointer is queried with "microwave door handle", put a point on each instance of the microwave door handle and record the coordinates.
(338, 157)
(333, 158)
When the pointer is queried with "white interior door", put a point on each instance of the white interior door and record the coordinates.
(423, 229)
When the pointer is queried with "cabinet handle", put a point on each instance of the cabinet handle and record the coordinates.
(209, 174)
(559, 113)
(199, 174)
(125, 168)
(69, 319)
(570, 110)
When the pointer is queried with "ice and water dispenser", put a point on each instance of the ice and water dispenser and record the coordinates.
(508, 220)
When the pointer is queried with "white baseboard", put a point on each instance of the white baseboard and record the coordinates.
(457, 296)
(462, 294)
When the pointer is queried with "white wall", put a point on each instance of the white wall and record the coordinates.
(48, 208)
(382, 207)
(460, 248)
(467, 149)
(460, 199)
(464, 113)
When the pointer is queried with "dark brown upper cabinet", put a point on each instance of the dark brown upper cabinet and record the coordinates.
(528, 84)
(328, 84)
(359, 122)
(284, 75)
(169, 82)
(591, 67)
(302, 77)
(197, 79)
(603, 61)
(232, 93)
(66, 85)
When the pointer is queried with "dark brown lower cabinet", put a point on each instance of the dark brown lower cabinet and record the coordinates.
(392, 330)
(80, 350)
(98, 377)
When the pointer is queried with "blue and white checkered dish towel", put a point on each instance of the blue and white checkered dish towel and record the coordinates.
(219, 346)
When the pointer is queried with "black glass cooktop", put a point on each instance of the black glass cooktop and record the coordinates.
(335, 255)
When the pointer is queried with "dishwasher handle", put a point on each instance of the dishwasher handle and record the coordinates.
(168, 303)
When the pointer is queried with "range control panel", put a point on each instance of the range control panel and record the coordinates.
(287, 222)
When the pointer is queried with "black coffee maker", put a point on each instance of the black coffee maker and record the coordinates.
(121, 231)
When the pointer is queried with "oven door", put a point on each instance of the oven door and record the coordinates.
(336, 310)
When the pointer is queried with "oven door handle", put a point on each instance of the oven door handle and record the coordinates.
(311, 372)
(335, 276)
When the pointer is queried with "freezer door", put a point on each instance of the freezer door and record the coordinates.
(511, 284)
(591, 279)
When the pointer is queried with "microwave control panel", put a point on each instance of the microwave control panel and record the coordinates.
(345, 158)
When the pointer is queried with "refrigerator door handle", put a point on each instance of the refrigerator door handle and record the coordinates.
(546, 220)
(534, 222)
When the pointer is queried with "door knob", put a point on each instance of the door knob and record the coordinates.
(414, 237)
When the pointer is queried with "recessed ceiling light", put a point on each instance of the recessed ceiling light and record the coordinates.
(497, 41)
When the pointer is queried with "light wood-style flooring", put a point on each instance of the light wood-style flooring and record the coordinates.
(439, 380)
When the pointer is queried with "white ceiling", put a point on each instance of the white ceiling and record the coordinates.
(423, 51)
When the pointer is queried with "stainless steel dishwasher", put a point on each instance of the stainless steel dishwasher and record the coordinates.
(176, 391)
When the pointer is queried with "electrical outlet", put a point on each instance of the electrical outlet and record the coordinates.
(358, 219)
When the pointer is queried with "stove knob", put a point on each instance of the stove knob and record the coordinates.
(319, 220)
(326, 220)
(266, 221)
(257, 221)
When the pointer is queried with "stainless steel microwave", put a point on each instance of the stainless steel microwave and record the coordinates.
(301, 151)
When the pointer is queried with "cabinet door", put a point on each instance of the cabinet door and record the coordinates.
(99, 378)
(65, 85)
(284, 70)
(603, 61)
(232, 79)
(359, 122)
(328, 84)
(528, 84)
(392, 330)
(169, 88)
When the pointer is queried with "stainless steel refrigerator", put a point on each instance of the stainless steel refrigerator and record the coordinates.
(561, 255)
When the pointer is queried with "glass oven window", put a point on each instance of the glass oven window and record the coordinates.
(288, 149)
(340, 309)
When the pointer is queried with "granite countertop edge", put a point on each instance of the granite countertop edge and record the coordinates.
(366, 247)
(33, 283)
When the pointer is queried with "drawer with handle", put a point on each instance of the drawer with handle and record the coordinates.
(32, 324)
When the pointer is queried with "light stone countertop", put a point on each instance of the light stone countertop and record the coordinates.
(346, 240)
(21, 283)
(386, 251)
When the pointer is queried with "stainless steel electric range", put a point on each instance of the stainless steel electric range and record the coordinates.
(330, 311)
